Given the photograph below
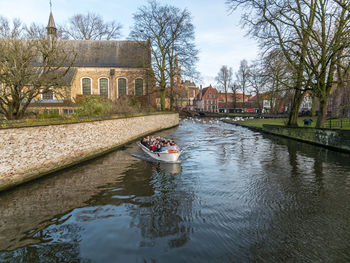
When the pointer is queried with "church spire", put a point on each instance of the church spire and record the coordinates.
(51, 29)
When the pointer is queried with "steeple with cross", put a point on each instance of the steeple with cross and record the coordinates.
(51, 29)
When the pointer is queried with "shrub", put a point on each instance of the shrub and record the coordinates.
(93, 106)
(127, 106)
(49, 114)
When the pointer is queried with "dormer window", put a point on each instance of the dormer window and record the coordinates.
(49, 95)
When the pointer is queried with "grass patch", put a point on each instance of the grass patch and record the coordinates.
(69, 120)
(279, 121)
(335, 124)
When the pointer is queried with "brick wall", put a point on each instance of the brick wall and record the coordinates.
(26, 153)
(95, 74)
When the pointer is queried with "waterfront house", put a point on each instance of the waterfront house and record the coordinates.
(207, 100)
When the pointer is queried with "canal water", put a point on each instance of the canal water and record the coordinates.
(236, 196)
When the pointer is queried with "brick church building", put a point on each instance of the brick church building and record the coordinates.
(102, 67)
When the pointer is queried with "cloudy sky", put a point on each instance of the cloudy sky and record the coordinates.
(219, 37)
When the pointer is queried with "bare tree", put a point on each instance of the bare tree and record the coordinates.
(313, 36)
(35, 31)
(285, 25)
(278, 78)
(257, 81)
(242, 76)
(170, 33)
(182, 54)
(234, 87)
(90, 27)
(328, 50)
(28, 68)
(224, 79)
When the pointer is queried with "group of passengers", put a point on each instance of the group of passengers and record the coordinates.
(157, 144)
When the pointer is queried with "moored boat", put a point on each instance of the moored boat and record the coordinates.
(170, 154)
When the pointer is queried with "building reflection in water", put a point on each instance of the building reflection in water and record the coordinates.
(238, 196)
(49, 218)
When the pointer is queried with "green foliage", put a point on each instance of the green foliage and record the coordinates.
(93, 106)
(126, 106)
(50, 114)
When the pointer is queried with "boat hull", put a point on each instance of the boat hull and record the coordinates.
(161, 156)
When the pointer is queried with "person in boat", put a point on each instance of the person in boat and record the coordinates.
(157, 144)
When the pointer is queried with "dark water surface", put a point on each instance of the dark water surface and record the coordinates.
(237, 196)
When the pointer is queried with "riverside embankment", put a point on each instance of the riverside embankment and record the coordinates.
(335, 139)
(32, 152)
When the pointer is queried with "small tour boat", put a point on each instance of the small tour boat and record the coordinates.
(170, 155)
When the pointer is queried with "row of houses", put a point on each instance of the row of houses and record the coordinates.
(209, 99)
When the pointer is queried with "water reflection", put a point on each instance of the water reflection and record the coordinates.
(237, 196)
(53, 215)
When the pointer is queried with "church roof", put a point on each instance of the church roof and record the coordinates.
(51, 21)
(67, 79)
(109, 53)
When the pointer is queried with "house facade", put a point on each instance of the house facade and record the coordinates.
(234, 102)
(207, 100)
(306, 104)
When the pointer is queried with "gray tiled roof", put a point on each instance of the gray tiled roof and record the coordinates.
(109, 53)
(67, 79)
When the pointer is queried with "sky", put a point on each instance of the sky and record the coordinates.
(219, 36)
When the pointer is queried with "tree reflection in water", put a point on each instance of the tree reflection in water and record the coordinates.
(238, 196)
(152, 194)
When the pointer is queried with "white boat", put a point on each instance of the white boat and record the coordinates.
(170, 155)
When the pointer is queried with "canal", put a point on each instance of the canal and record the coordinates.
(236, 196)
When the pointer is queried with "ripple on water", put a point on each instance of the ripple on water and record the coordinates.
(236, 196)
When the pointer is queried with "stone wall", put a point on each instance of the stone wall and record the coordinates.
(331, 138)
(28, 153)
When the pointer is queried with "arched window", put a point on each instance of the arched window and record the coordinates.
(86, 83)
(121, 87)
(139, 87)
(103, 83)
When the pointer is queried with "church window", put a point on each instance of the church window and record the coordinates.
(86, 82)
(139, 87)
(122, 87)
(103, 82)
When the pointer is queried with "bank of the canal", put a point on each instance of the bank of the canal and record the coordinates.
(335, 139)
(31, 152)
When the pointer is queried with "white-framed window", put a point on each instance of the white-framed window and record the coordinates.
(86, 86)
(122, 89)
(68, 111)
(48, 95)
(138, 87)
(103, 86)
